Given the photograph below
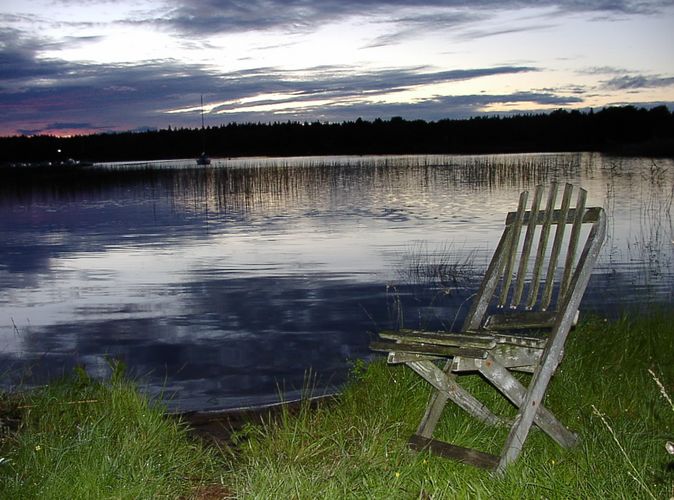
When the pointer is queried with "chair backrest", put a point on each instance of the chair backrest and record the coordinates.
(538, 273)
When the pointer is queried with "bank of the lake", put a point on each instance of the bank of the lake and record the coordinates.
(83, 439)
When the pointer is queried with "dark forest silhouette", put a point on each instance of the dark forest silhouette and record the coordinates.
(620, 130)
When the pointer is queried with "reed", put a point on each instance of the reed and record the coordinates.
(446, 267)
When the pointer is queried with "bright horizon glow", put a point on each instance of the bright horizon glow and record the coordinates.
(75, 67)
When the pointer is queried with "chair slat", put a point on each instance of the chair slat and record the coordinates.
(591, 215)
(542, 245)
(479, 307)
(441, 350)
(520, 321)
(439, 338)
(514, 231)
(526, 249)
(556, 247)
(573, 241)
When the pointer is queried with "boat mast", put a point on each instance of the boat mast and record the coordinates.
(203, 132)
(202, 112)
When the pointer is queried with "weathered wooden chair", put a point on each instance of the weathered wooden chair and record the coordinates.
(520, 319)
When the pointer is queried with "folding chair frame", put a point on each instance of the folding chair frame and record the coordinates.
(495, 344)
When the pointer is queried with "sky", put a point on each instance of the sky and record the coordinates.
(86, 66)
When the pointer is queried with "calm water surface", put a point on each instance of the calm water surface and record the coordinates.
(220, 286)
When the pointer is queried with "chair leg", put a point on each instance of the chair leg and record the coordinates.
(511, 388)
(445, 383)
(434, 408)
(432, 415)
(530, 406)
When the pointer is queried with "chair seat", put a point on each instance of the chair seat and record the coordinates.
(513, 351)
(455, 344)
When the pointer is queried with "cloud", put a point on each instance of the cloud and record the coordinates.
(30, 131)
(631, 82)
(62, 127)
(437, 108)
(410, 26)
(69, 125)
(332, 87)
(602, 70)
(35, 91)
(18, 58)
(204, 17)
(120, 96)
(624, 79)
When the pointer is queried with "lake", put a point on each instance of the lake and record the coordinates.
(223, 286)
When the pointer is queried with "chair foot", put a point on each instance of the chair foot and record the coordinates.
(464, 455)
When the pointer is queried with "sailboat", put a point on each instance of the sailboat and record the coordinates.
(203, 158)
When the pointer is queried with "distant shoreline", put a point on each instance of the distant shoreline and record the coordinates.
(626, 131)
(51, 168)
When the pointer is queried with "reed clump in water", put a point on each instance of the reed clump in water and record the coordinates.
(445, 267)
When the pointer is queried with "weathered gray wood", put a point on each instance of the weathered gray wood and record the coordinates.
(438, 379)
(478, 308)
(433, 413)
(591, 216)
(526, 248)
(542, 245)
(511, 255)
(518, 323)
(573, 242)
(523, 359)
(556, 248)
(525, 320)
(510, 387)
(396, 357)
(428, 349)
(522, 340)
(555, 348)
(440, 338)
(458, 453)
(465, 365)
(517, 357)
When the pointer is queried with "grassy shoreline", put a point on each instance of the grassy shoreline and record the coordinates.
(82, 439)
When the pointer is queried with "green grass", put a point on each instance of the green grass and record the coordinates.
(356, 448)
(83, 439)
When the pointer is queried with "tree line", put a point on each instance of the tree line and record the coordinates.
(620, 130)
